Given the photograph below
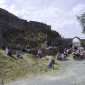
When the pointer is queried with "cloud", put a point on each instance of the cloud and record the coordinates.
(79, 9)
(3, 6)
(2, 2)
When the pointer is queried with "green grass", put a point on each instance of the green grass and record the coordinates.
(14, 69)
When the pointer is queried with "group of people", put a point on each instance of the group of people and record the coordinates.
(9, 49)
(62, 55)
(79, 53)
(9, 52)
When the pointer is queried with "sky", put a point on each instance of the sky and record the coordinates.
(60, 14)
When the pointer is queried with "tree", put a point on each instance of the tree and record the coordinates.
(81, 19)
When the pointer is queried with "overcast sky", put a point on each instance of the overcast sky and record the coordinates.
(60, 14)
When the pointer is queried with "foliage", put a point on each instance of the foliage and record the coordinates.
(36, 42)
(81, 19)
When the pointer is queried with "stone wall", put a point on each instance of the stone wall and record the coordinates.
(83, 42)
(66, 42)
(10, 21)
(1, 34)
(37, 25)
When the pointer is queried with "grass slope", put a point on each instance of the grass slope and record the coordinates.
(13, 68)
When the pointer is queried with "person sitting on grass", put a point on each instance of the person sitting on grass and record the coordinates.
(27, 46)
(24, 50)
(58, 56)
(9, 51)
(18, 55)
(40, 53)
(51, 63)
(63, 56)
(3, 45)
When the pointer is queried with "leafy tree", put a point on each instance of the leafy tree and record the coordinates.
(81, 19)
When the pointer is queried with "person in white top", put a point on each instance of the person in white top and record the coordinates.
(63, 56)
(84, 53)
(7, 50)
(40, 53)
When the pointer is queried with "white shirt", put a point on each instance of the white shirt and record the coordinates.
(62, 55)
(7, 50)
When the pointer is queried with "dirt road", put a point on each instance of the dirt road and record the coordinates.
(71, 72)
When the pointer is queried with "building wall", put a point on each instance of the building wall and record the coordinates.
(33, 25)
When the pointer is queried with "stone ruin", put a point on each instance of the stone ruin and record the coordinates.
(10, 21)
(66, 42)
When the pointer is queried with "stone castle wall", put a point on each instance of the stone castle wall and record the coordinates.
(9, 21)
(83, 42)
(37, 25)
(66, 42)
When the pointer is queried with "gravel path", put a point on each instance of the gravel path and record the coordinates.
(71, 72)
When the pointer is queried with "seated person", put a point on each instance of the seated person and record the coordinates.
(58, 56)
(40, 53)
(24, 50)
(7, 50)
(18, 55)
(63, 56)
(78, 53)
(10, 52)
(27, 46)
(3, 45)
(46, 43)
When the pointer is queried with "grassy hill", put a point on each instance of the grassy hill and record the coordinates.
(13, 68)
(36, 43)
(31, 64)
